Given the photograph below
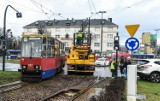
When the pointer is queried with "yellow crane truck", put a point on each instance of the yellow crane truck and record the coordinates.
(81, 58)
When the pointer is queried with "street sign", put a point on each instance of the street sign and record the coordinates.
(132, 29)
(132, 44)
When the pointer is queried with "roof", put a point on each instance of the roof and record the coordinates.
(72, 22)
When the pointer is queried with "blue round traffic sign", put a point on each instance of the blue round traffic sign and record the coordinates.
(132, 44)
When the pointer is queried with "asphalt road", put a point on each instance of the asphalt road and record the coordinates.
(103, 72)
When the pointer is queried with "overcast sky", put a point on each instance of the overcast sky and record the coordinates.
(123, 12)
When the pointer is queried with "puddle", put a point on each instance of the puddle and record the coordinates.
(70, 92)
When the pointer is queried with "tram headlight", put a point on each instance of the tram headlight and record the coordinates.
(24, 67)
(36, 67)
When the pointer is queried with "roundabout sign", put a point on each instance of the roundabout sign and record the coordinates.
(132, 44)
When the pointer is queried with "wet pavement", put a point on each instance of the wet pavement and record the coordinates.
(10, 66)
(15, 67)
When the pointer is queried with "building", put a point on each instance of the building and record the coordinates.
(148, 43)
(64, 29)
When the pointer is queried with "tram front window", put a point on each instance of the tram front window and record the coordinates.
(31, 47)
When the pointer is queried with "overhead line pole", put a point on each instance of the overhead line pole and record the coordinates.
(102, 22)
(156, 48)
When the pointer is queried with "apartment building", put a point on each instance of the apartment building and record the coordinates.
(147, 42)
(64, 29)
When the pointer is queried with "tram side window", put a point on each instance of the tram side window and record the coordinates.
(44, 51)
(49, 48)
(57, 50)
(62, 52)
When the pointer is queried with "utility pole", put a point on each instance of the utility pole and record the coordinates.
(156, 42)
(102, 22)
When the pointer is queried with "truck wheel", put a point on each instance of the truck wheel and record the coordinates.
(155, 77)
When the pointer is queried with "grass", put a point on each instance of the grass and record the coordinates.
(144, 87)
(13, 61)
(151, 90)
(9, 76)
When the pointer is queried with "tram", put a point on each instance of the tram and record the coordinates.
(42, 56)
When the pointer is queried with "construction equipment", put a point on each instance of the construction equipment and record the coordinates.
(81, 58)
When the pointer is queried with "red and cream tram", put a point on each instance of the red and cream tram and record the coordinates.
(42, 56)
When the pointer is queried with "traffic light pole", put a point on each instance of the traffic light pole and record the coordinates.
(18, 14)
(116, 66)
(116, 47)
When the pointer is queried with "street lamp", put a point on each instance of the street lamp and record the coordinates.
(19, 15)
(102, 22)
(156, 42)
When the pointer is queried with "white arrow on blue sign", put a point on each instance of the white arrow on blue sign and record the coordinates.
(132, 44)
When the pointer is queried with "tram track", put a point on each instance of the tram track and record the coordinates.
(11, 86)
(55, 86)
(73, 92)
(62, 90)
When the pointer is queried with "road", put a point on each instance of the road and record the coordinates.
(103, 72)
(10, 66)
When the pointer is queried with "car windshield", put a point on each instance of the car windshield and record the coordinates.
(101, 59)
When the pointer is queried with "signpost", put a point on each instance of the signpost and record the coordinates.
(132, 44)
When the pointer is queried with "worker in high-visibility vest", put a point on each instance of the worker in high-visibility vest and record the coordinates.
(79, 38)
(112, 68)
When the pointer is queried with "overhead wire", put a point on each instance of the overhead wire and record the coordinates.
(41, 8)
(25, 7)
(46, 13)
(93, 13)
(93, 5)
(90, 8)
(119, 10)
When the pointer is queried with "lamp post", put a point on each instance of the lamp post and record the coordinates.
(19, 15)
(156, 42)
(102, 22)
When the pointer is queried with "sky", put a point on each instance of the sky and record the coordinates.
(123, 12)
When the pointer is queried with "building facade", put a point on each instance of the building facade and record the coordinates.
(146, 41)
(64, 29)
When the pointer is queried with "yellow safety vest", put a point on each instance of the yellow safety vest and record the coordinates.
(80, 34)
(112, 65)
(119, 63)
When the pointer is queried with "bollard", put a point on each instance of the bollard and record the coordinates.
(131, 82)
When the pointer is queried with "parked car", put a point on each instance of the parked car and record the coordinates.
(148, 69)
(102, 61)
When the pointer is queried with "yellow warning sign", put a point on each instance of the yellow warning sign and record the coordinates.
(132, 29)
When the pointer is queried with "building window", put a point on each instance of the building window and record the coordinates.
(67, 29)
(66, 44)
(109, 44)
(96, 44)
(110, 36)
(57, 36)
(58, 29)
(76, 29)
(110, 29)
(96, 36)
(97, 29)
(29, 30)
(48, 31)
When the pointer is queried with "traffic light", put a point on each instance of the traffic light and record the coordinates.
(19, 14)
(116, 43)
